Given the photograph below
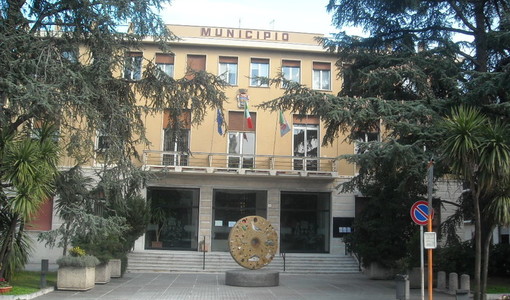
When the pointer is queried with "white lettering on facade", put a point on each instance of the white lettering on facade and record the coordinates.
(245, 34)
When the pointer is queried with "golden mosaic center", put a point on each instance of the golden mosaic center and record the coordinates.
(253, 242)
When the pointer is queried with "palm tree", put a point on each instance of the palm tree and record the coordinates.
(478, 152)
(28, 165)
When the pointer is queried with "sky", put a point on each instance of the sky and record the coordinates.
(283, 15)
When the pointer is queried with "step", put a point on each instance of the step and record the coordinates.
(190, 261)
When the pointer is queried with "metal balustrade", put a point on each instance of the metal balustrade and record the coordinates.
(205, 162)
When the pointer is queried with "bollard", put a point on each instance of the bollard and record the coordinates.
(453, 283)
(464, 282)
(402, 287)
(44, 271)
(462, 295)
(441, 280)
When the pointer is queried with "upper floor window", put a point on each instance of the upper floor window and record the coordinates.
(176, 140)
(321, 76)
(133, 65)
(365, 136)
(259, 69)
(228, 69)
(306, 142)
(195, 63)
(241, 140)
(291, 70)
(165, 62)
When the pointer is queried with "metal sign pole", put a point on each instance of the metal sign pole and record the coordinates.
(421, 265)
(429, 194)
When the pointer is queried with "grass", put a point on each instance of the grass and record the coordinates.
(27, 282)
(498, 285)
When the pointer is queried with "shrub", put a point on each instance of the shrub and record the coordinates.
(457, 257)
(77, 252)
(87, 261)
(500, 260)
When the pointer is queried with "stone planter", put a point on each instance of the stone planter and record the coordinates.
(103, 273)
(378, 272)
(115, 268)
(76, 278)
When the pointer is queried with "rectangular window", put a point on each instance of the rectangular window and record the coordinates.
(291, 70)
(321, 76)
(241, 140)
(133, 65)
(176, 140)
(174, 222)
(228, 69)
(259, 70)
(306, 142)
(195, 63)
(165, 62)
(365, 136)
(231, 205)
(102, 142)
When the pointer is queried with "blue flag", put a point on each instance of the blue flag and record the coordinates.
(219, 119)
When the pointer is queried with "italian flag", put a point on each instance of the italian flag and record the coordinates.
(284, 126)
(247, 115)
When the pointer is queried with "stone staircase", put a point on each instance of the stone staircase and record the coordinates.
(218, 262)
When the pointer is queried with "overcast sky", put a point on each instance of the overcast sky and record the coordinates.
(284, 15)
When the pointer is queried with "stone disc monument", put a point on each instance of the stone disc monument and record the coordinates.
(253, 243)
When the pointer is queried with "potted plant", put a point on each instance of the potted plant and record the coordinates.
(158, 218)
(5, 286)
(76, 271)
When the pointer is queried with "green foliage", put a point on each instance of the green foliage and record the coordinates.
(457, 257)
(87, 261)
(61, 63)
(27, 172)
(500, 261)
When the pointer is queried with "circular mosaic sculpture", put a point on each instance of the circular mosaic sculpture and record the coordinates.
(253, 242)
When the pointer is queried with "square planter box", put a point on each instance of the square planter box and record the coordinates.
(103, 273)
(115, 268)
(76, 278)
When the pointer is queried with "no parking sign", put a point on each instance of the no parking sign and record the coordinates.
(420, 212)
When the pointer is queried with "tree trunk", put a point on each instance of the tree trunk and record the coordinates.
(6, 249)
(486, 257)
(478, 247)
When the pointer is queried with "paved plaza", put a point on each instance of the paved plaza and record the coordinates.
(200, 286)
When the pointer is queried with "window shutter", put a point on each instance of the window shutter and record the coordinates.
(321, 66)
(237, 121)
(228, 60)
(184, 118)
(306, 119)
(164, 58)
(291, 63)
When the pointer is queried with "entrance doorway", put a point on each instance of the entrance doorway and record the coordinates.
(231, 205)
(174, 223)
(305, 222)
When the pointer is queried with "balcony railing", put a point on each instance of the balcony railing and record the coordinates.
(272, 165)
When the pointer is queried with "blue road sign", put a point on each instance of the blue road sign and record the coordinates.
(420, 212)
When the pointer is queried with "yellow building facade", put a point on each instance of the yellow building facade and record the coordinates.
(248, 167)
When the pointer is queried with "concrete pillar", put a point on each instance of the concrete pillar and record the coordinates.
(441, 280)
(464, 282)
(402, 287)
(453, 283)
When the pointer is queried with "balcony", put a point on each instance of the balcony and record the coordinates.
(223, 163)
